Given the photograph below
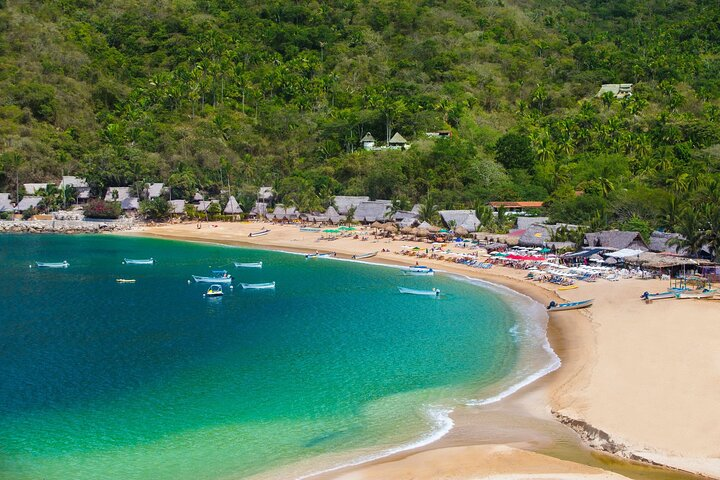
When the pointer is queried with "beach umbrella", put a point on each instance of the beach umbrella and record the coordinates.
(433, 229)
(414, 231)
(390, 228)
(611, 260)
(376, 225)
(406, 230)
(422, 232)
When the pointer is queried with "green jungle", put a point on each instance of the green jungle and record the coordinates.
(215, 94)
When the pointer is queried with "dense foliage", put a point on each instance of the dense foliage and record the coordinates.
(102, 209)
(210, 94)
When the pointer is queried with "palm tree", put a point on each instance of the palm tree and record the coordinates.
(689, 227)
(711, 234)
(428, 211)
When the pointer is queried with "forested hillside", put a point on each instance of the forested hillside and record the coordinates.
(210, 92)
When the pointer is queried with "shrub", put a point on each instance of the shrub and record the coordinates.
(29, 213)
(102, 209)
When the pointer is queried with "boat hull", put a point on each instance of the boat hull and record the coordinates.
(258, 286)
(426, 293)
(198, 279)
(52, 265)
(249, 265)
(130, 261)
(363, 256)
(570, 306)
(259, 234)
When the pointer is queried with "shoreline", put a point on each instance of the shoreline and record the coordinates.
(550, 398)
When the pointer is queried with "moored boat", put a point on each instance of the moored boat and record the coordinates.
(364, 255)
(309, 229)
(418, 270)
(142, 261)
(320, 255)
(214, 291)
(63, 264)
(260, 233)
(249, 264)
(557, 307)
(435, 292)
(258, 286)
(200, 279)
(125, 280)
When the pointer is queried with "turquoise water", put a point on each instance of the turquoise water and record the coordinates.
(100, 380)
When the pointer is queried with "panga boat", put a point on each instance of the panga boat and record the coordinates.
(556, 307)
(63, 264)
(309, 229)
(142, 261)
(262, 232)
(418, 270)
(258, 286)
(214, 291)
(320, 255)
(435, 292)
(364, 255)
(226, 279)
(125, 280)
(249, 265)
(568, 287)
(704, 293)
(648, 297)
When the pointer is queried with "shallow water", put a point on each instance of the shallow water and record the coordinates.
(151, 380)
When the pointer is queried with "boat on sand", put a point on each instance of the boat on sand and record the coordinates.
(260, 233)
(649, 297)
(557, 307)
(364, 255)
(704, 293)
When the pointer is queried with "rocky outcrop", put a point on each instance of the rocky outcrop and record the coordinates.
(64, 226)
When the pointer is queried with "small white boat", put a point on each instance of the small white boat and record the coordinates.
(435, 292)
(142, 261)
(199, 279)
(704, 293)
(258, 286)
(260, 233)
(125, 280)
(248, 265)
(364, 255)
(309, 229)
(63, 264)
(214, 291)
(418, 270)
(557, 307)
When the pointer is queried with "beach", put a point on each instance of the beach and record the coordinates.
(638, 380)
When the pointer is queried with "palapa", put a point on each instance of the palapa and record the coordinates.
(462, 231)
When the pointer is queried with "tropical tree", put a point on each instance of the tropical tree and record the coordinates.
(157, 209)
(429, 212)
(689, 227)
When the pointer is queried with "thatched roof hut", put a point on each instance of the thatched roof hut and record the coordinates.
(232, 207)
(616, 240)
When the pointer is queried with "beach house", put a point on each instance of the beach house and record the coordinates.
(178, 207)
(344, 203)
(154, 190)
(32, 188)
(460, 218)
(5, 203)
(117, 194)
(80, 185)
(28, 202)
(616, 240)
(398, 142)
(519, 208)
(232, 207)
(368, 141)
(373, 211)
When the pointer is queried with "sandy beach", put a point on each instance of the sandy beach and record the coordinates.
(638, 380)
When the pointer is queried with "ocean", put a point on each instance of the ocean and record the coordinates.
(151, 380)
